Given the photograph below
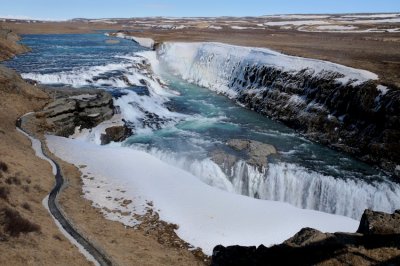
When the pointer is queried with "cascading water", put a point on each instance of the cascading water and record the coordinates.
(182, 124)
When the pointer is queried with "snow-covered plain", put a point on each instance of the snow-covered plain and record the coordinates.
(206, 215)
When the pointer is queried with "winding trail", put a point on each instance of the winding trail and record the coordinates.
(91, 252)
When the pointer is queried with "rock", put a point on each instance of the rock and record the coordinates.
(84, 110)
(379, 223)
(233, 255)
(256, 151)
(376, 245)
(116, 134)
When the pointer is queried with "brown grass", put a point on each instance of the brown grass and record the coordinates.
(15, 224)
(4, 192)
(3, 167)
(13, 180)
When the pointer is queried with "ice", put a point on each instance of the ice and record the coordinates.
(145, 42)
(206, 216)
(215, 65)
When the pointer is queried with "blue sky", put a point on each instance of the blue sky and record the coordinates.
(66, 9)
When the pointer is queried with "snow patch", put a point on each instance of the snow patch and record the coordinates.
(145, 42)
(382, 89)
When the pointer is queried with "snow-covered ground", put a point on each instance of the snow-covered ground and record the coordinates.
(145, 42)
(206, 215)
(296, 22)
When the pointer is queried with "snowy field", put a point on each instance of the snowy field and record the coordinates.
(206, 215)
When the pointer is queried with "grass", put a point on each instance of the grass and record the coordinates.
(4, 192)
(15, 224)
(3, 167)
(26, 206)
(13, 180)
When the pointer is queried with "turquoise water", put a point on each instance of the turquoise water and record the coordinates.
(199, 121)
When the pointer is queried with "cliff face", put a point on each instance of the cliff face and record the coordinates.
(341, 107)
(361, 120)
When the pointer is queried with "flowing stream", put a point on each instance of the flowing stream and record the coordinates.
(183, 124)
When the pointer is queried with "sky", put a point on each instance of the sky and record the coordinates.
(67, 9)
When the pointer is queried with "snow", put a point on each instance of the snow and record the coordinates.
(212, 65)
(382, 89)
(206, 216)
(372, 16)
(375, 21)
(335, 27)
(295, 22)
(82, 250)
(298, 16)
(145, 42)
(215, 27)
(245, 28)
(37, 147)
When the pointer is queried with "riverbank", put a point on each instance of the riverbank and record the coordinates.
(28, 234)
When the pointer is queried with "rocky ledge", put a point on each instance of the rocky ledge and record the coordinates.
(73, 109)
(376, 242)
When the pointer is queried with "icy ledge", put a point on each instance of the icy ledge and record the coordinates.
(215, 65)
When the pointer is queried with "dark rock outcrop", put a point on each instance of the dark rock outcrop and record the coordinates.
(85, 110)
(379, 223)
(356, 118)
(376, 245)
(116, 134)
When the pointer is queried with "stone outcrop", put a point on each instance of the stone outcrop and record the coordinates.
(253, 152)
(115, 134)
(77, 109)
(373, 223)
(377, 242)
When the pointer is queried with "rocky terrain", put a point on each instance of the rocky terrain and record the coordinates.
(376, 242)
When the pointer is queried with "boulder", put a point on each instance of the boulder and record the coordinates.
(116, 134)
(379, 223)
